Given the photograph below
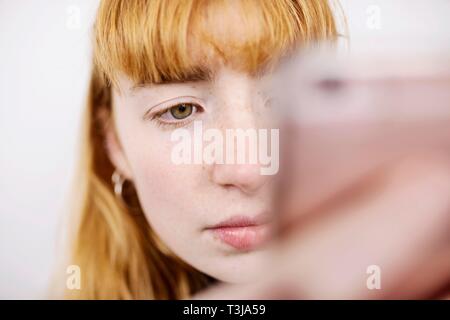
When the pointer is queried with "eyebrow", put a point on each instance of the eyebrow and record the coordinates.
(198, 75)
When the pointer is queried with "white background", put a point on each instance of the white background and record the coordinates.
(44, 67)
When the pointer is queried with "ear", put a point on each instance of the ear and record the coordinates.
(114, 149)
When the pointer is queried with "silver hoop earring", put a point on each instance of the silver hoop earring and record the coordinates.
(118, 185)
(117, 181)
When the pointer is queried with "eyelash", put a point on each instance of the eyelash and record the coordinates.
(176, 123)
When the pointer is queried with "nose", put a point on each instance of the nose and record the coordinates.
(235, 97)
(246, 178)
(244, 175)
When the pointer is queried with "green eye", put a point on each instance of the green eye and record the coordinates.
(182, 111)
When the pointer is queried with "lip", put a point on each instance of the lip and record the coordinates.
(243, 232)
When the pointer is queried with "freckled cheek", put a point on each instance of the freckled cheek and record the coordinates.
(164, 189)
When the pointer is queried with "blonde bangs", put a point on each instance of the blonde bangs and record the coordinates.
(170, 41)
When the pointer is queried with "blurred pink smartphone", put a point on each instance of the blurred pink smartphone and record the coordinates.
(345, 116)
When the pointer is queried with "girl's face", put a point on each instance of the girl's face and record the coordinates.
(214, 216)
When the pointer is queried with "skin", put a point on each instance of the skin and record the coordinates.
(409, 242)
(180, 201)
(382, 200)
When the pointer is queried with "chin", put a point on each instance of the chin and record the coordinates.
(239, 268)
